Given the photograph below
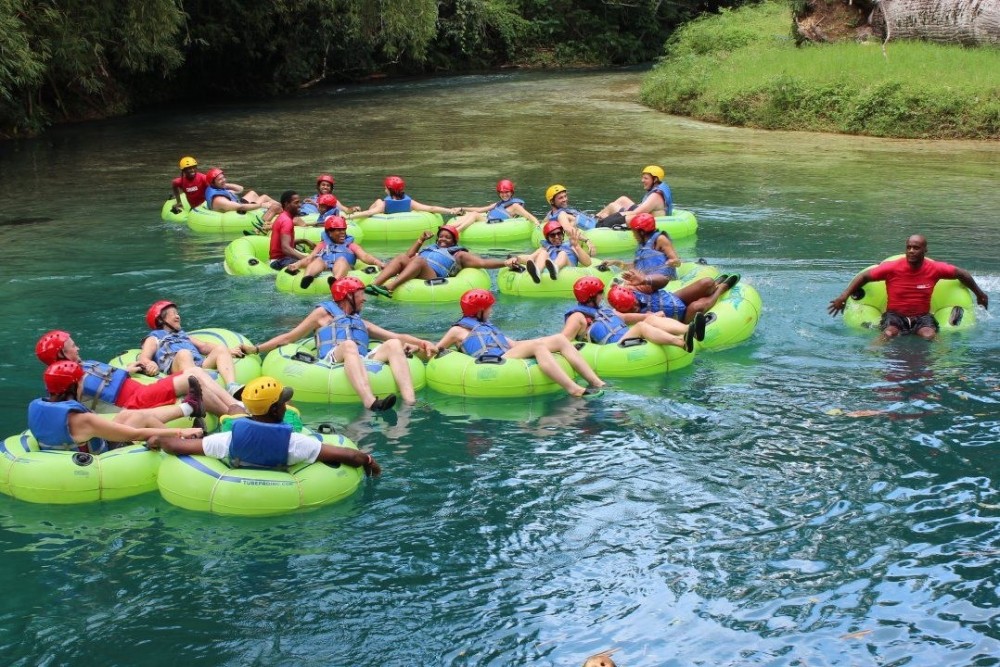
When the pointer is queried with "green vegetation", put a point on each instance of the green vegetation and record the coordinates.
(742, 68)
(75, 59)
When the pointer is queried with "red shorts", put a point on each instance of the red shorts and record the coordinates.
(137, 395)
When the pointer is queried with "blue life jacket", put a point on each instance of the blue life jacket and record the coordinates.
(257, 444)
(169, 343)
(211, 193)
(49, 423)
(344, 327)
(442, 260)
(102, 382)
(604, 325)
(664, 190)
(662, 300)
(403, 205)
(583, 221)
(650, 260)
(323, 216)
(331, 251)
(484, 338)
(308, 208)
(499, 210)
(554, 251)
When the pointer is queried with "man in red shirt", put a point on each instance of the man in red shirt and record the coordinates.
(909, 282)
(191, 182)
(283, 251)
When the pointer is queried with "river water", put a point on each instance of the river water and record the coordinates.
(805, 498)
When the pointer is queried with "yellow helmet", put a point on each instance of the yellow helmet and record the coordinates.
(188, 162)
(260, 394)
(654, 171)
(553, 190)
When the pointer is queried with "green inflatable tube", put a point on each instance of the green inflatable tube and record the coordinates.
(66, 477)
(292, 283)
(315, 381)
(680, 225)
(203, 221)
(519, 283)
(399, 226)
(513, 232)
(205, 484)
(167, 215)
(634, 358)
(441, 290)
(247, 367)
(457, 374)
(952, 305)
(733, 319)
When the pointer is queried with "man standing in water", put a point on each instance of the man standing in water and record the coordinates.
(909, 283)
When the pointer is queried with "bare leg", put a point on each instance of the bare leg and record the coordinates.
(534, 348)
(392, 267)
(668, 324)
(221, 359)
(150, 417)
(700, 296)
(340, 268)
(391, 352)
(615, 206)
(653, 335)
(463, 221)
(416, 268)
(354, 367)
(214, 397)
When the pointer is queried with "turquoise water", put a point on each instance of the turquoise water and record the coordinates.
(739, 511)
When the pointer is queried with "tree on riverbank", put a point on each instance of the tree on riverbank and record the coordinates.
(743, 68)
(79, 59)
(966, 22)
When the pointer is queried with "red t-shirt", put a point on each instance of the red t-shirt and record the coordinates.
(194, 188)
(283, 224)
(910, 290)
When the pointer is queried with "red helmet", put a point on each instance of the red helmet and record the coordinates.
(475, 301)
(62, 375)
(344, 287)
(212, 174)
(395, 184)
(621, 299)
(451, 230)
(327, 200)
(551, 226)
(643, 222)
(334, 222)
(325, 178)
(49, 346)
(154, 312)
(505, 186)
(586, 288)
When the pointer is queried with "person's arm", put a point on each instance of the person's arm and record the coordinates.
(453, 337)
(352, 457)
(421, 240)
(648, 283)
(171, 444)
(377, 332)
(288, 246)
(519, 210)
(221, 204)
(179, 206)
(647, 205)
(966, 279)
(417, 206)
(234, 187)
(664, 245)
(633, 318)
(837, 304)
(149, 346)
(378, 206)
(574, 324)
(294, 266)
(582, 252)
(366, 257)
(303, 329)
(86, 425)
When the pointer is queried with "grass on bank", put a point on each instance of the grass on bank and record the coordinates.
(742, 68)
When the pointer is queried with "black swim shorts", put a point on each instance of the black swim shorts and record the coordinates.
(907, 325)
